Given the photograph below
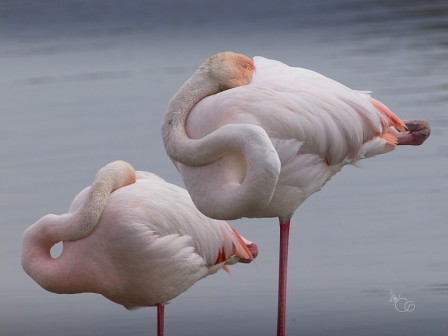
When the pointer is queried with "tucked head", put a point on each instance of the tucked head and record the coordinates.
(229, 69)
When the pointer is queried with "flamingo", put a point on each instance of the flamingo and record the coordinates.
(132, 237)
(255, 138)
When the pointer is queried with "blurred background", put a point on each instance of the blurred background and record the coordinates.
(83, 83)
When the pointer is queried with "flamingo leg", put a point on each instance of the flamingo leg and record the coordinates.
(282, 274)
(160, 319)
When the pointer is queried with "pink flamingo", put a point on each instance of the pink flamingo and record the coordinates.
(133, 238)
(256, 138)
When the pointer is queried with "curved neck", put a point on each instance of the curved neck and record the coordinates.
(108, 179)
(174, 134)
(263, 164)
(60, 275)
(56, 275)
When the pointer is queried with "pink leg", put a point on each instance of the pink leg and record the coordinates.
(160, 319)
(282, 274)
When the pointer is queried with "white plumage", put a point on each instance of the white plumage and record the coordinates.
(141, 245)
(316, 125)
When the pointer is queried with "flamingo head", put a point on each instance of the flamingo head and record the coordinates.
(229, 70)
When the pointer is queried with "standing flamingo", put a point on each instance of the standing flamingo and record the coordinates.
(133, 238)
(256, 138)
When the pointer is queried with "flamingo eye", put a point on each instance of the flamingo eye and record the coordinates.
(248, 67)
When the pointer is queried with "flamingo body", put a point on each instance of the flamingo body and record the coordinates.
(149, 245)
(164, 247)
(315, 124)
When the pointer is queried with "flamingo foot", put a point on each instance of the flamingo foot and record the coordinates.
(418, 132)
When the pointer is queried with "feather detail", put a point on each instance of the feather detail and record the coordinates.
(239, 251)
(226, 268)
(240, 248)
(390, 138)
(390, 123)
(387, 117)
(221, 256)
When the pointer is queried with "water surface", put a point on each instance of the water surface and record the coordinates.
(85, 83)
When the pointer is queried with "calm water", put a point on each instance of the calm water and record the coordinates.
(84, 83)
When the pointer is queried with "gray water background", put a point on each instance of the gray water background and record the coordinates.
(83, 83)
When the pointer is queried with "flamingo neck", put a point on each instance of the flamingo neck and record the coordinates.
(177, 143)
(232, 200)
(57, 275)
(65, 274)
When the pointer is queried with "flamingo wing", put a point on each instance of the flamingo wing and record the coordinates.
(324, 116)
(213, 240)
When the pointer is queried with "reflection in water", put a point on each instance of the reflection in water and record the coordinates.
(86, 82)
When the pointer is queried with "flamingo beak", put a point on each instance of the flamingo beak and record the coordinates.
(253, 249)
(418, 132)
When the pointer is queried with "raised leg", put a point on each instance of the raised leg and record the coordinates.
(282, 274)
(160, 319)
